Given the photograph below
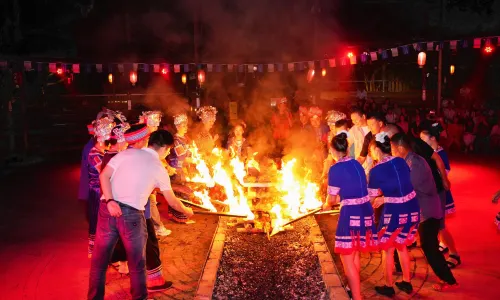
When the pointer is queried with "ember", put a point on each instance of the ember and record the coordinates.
(285, 267)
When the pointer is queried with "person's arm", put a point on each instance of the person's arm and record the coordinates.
(105, 179)
(163, 183)
(176, 203)
(374, 192)
(442, 170)
(364, 151)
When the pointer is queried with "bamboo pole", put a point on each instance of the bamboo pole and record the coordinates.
(278, 228)
(202, 212)
(194, 204)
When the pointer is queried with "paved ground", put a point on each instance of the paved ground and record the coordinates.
(474, 181)
(43, 233)
(43, 239)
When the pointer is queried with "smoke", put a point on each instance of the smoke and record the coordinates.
(162, 96)
(263, 30)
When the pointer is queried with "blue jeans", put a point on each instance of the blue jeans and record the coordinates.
(131, 228)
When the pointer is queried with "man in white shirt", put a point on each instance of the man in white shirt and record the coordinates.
(357, 135)
(126, 183)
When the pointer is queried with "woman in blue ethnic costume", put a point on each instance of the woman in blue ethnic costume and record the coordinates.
(356, 228)
(176, 159)
(390, 185)
(431, 137)
(103, 128)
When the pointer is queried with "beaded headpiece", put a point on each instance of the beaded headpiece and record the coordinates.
(119, 132)
(179, 119)
(207, 114)
(333, 116)
(103, 128)
(136, 133)
(315, 112)
(151, 118)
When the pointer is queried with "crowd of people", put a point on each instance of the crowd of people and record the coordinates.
(389, 179)
(474, 129)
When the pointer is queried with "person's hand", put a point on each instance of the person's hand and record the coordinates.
(171, 171)
(188, 211)
(216, 137)
(378, 202)
(114, 209)
(446, 184)
(326, 207)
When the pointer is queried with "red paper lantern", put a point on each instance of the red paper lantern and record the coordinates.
(488, 49)
(110, 78)
(133, 77)
(421, 59)
(452, 69)
(323, 72)
(201, 76)
(184, 78)
(310, 75)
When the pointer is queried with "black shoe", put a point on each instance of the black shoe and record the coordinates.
(405, 286)
(385, 290)
(349, 293)
(159, 288)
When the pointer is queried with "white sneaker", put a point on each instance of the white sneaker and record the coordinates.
(163, 231)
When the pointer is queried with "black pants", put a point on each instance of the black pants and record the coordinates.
(153, 261)
(428, 232)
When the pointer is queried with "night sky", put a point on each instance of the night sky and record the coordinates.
(232, 30)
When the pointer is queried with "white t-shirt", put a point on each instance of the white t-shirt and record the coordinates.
(136, 173)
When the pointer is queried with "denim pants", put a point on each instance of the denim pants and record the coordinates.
(131, 228)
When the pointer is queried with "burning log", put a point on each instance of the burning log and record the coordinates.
(259, 184)
(259, 230)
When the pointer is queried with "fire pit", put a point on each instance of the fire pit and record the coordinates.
(284, 267)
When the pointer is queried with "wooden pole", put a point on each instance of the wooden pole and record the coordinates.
(194, 204)
(202, 212)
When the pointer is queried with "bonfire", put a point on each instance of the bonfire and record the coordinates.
(261, 199)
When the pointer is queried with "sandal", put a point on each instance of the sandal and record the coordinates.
(453, 261)
(443, 286)
(443, 249)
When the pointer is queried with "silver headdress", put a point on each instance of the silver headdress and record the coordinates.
(333, 116)
(207, 113)
(179, 119)
(103, 128)
(119, 132)
(151, 118)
